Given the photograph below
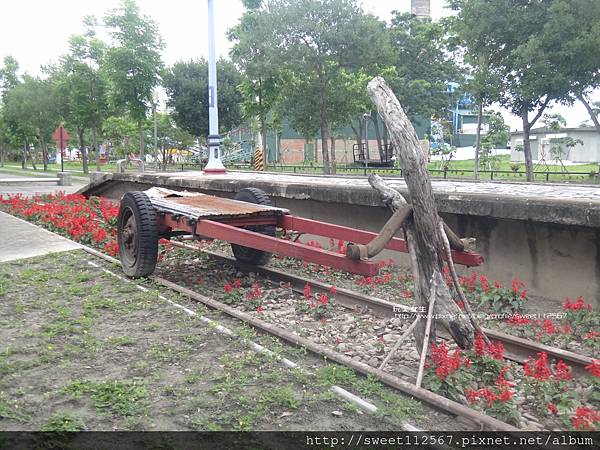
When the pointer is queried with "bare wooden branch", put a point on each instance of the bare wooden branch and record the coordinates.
(458, 287)
(373, 248)
(422, 232)
(400, 340)
(426, 337)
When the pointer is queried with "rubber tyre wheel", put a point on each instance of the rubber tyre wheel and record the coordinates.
(137, 235)
(246, 254)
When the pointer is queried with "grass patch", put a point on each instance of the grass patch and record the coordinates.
(123, 398)
(62, 421)
(11, 410)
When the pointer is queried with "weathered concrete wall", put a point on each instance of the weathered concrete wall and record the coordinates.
(539, 240)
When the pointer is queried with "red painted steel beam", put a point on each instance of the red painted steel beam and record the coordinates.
(239, 236)
(353, 235)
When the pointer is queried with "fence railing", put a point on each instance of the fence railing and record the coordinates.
(591, 176)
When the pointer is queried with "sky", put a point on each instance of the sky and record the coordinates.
(36, 32)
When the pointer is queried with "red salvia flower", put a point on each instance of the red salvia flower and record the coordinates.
(562, 371)
(479, 345)
(594, 368)
(323, 299)
(517, 285)
(485, 285)
(585, 418)
(540, 369)
(549, 326)
(306, 290)
(496, 350)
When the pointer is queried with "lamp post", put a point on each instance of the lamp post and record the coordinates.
(154, 104)
(214, 165)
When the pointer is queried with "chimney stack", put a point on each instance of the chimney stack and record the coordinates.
(421, 8)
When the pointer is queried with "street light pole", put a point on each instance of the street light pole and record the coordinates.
(214, 165)
(154, 102)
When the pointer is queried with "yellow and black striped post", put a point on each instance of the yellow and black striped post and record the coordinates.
(259, 162)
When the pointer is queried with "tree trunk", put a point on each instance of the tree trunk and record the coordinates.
(590, 111)
(263, 138)
(2, 148)
(142, 144)
(358, 134)
(375, 120)
(96, 149)
(24, 159)
(527, 147)
(594, 118)
(84, 159)
(478, 141)
(32, 158)
(44, 153)
(324, 146)
(385, 135)
(422, 232)
(333, 156)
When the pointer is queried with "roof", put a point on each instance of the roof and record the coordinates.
(543, 130)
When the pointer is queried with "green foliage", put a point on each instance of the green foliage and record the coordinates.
(424, 66)
(124, 398)
(186, 84)
(296, 52)
(63, 422)
(8, 74)
(134, 62)
(497, 136)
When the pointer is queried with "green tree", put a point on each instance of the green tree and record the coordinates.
(261, 82)
(186, 84)
(170, 136)
(481, 83)
(82, 88)
(9, 77)
(133, 62)
(512, 33)
(498, 134)
(311, 42)
(572, 40)
(424, 66)
(30, 111)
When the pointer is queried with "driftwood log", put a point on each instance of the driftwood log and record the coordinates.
(422, 230)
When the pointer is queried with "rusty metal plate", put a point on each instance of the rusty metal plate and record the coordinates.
(202, 206)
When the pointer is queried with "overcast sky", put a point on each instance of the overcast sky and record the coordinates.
(36, 32)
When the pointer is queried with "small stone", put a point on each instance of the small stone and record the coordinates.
(373, 362)
(337, 413)
(342, 347)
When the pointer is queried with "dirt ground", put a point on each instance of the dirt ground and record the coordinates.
(83, 350)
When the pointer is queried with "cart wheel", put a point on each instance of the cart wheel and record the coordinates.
(137, 235)
(246, 254)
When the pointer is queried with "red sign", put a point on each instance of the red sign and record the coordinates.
(61, 137)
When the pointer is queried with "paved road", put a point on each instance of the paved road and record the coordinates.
(27, 240)
(31, 188)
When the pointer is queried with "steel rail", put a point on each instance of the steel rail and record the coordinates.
(517, 349)
(435, 400)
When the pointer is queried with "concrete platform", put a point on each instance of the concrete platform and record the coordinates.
(551, 203)
(545, 234)
(21, 239)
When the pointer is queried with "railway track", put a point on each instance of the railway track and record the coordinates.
(517, 349)
(480, 419)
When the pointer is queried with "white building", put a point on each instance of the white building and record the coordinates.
(545, 144)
